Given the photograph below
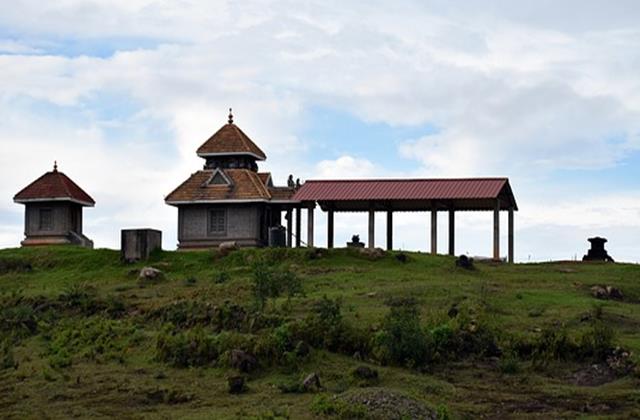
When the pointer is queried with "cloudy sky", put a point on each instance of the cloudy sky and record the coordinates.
(122, 93)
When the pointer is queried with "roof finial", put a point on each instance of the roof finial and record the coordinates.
(230, 116)
(55, 166)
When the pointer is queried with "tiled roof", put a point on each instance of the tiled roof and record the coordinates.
(246, 185)
(281, 193)
(265, 177)
(230, 139)
(56, 186)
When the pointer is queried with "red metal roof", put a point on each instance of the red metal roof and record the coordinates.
(53, 185)
(404, 189)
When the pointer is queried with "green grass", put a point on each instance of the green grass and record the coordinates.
(93, 353)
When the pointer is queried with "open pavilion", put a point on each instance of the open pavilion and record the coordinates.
(393, 195)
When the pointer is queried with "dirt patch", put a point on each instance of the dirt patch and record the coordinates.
(593, 375)
(384, 404)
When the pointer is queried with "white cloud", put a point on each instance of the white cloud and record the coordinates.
(513, 90)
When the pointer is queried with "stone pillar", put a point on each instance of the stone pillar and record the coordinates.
(389, 230)
(434, 231)
(452, 232)
(511, 234)
(496, 231)
(298, 227)
(310, 227)
(330, 229)
(372, 230)
(289, 228)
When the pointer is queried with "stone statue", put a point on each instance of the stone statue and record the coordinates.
(290, 182)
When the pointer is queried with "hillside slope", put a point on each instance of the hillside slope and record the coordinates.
(83, 336)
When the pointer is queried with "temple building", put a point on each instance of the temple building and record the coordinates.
(229, 199)
(53, 210)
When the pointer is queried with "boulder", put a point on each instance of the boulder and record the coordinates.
(311, 382)
(242, 361)
(365, 372)
(227, 247)
(464, 262)
(236, 385)
(372, 253)
(606, 292)
(150, 273)
(614, 293)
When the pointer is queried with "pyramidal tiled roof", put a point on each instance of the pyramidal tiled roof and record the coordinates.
(246, 185)
(55, 186)
(230, 139)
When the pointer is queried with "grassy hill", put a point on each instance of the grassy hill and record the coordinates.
(83, 336)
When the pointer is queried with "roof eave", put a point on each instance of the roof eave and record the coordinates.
(208, 154)
(49, 199)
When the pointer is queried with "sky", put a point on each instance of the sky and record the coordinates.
(122, 93)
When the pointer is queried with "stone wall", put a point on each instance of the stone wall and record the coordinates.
(242, 225)
(61, 219)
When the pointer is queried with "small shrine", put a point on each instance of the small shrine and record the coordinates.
(597, 251)
(53, 210)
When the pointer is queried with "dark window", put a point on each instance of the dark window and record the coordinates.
(46, 219)
(217, 221)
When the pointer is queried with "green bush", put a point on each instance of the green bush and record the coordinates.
(15, 265)
(325, 328)
(220, 277)
(94, 339)
(402, 340)
(553, 344)
(596, 343)
(270, 283)
(322, 405)
(226, 317)
(19, 321)
(197, 347)
(183, 349)
(7, 359)
(81, 297)
(509, 364)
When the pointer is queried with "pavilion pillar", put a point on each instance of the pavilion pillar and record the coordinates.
(434, 230)
(298, 227)
(310, 227)
(511, 234)
(372, 222)
(289, 218)
(496, 231)
(330, 229)
(452, 232)
(389, 230)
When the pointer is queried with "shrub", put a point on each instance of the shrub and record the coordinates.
(402, 340)
(322, 405)
(509, 364)
(220, 277)
(553, 344)
(325, 328)
(269, 283)
(15, 265)
(197, 347)
(596, 343)
(7, 359)
(228, 316)
(95, 339)
(184, 349)
(19, 321)
(81, 297)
